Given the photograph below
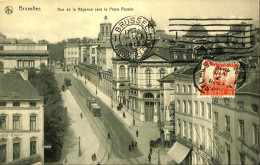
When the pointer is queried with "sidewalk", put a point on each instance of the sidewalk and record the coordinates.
(147, 130)
(107, 100)
(89, 142)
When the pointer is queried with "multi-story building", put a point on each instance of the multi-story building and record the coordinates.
(25, 54)
(105, 29)
(236, 126)
(72, 54)
(193, 120)
(21, 121)
(167, 103)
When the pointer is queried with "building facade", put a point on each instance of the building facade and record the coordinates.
(23, 55)
(236, 126)
(72, 54)
(21, 121)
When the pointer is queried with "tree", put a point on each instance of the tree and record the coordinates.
(56, 119)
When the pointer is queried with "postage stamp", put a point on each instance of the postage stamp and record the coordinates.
(132, 37)
(218, 79)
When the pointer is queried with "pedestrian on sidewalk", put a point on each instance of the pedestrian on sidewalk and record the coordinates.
(149, 158)
(108, 135)
(108, 156)
(151, 151)
(66, 160)
(129, 147)
(135, 144)
(124, 114)
(137, 133)
(81, 115)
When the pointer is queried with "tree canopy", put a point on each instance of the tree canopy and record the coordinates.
(56, 119)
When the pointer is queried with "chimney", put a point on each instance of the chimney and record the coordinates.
(24, 74)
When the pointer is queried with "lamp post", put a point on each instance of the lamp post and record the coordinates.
(79, 147)
(96, 88)
(133, 116)
(111, 101)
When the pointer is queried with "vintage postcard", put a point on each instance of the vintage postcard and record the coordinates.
(129, 82)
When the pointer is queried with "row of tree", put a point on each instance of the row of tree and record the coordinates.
(56, 119)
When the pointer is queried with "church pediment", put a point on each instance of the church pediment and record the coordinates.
(154, 58)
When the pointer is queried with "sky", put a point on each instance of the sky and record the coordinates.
(53, 25)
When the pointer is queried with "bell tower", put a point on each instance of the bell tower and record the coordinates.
(105, 29)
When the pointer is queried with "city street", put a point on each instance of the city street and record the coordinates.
(107, 123)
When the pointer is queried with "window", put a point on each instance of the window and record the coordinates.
(175, 56)
(183, 89)
(196, 108)
(148, 95)
(189, 107)
(16, 122)
(227, 123)
(241, 129)
(2, 103)
(215, 100)
(184, 106)
(255, 135)
(16, 150)
(16, 103)
(93, 60)
(226, 101)
(209, 143)
(31, 64)
(148, 77)
(254, 108)
(32, 147)
(240, 104)
(242, 159)
(162, 73)
(179, 127)
(190, 131)
(216, 147)
(19, 64)
(216, 119)
(209, 110)
(2, 153)
(202, 128)
(185, 129)
(93, 50)
(33, 122)
(184, 56)
(178, 105)
(33, 104)
(178, 88)
(197, 134)
(228, 154)
(2, 122)
(189, 89)
(121, 72)
(202, 108)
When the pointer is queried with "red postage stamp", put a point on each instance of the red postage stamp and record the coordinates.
(218, 79)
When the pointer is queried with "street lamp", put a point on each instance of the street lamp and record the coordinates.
(96, 88)
(111, 101)
(133, 116)
(79, 147)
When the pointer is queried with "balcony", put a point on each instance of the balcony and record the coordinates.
(252, 151)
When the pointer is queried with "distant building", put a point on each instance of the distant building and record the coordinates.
(23, 54)
(236, 126)
(21, 121)
(72, 54)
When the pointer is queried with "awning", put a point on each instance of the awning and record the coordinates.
(178, 152)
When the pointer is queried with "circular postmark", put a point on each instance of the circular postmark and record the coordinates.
(132, 37)
(9, 10)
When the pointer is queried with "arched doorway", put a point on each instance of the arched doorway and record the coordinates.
(149, 106)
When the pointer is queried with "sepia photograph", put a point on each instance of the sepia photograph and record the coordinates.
(129, 82)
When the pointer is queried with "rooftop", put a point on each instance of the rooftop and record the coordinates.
(14, 87)
(252, 87)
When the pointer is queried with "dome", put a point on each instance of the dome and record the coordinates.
(106, 21)
(197, 30)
